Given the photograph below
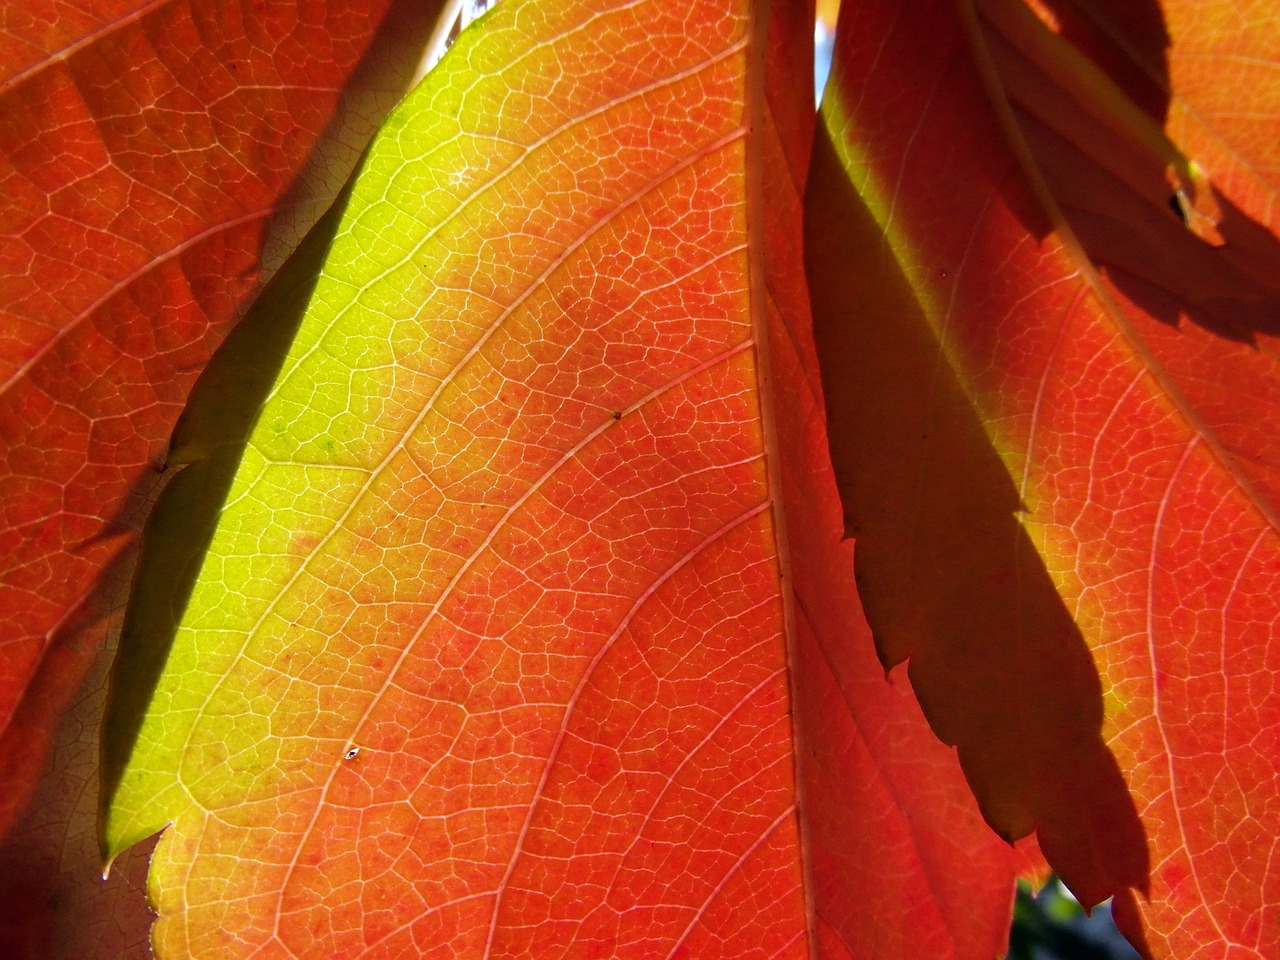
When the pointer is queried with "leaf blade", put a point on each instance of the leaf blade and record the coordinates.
(1121, 432)
(580, 475)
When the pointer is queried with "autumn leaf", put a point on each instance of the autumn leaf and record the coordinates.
(525, 627)
(159, 162)
(1051, 386)
(518, 618)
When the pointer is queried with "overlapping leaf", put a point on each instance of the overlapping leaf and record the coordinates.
(1073, 314)
(156, 159)
(149, 153)
(533, 552)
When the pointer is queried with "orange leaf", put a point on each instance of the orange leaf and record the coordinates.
(1069, 337)
(150, 155)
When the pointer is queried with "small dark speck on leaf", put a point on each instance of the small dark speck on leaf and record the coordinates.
(351, 754)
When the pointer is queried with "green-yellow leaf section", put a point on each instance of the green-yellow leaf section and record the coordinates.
(334, 416)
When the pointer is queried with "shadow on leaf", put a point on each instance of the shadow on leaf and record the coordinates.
(205, 452)
(1092, 101)
(948, 576)
(209, 437)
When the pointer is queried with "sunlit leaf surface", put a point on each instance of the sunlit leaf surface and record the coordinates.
(149, 153)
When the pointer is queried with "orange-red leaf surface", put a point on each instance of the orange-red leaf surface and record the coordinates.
(1053, 418)
(527, 603)
(153, 155)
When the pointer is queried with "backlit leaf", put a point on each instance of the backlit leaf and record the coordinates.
(527, 601)
(1052, 412)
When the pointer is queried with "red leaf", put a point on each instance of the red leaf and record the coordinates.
(1081, 447)
(901, 864)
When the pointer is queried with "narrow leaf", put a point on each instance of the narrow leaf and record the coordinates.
(1073, 352)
